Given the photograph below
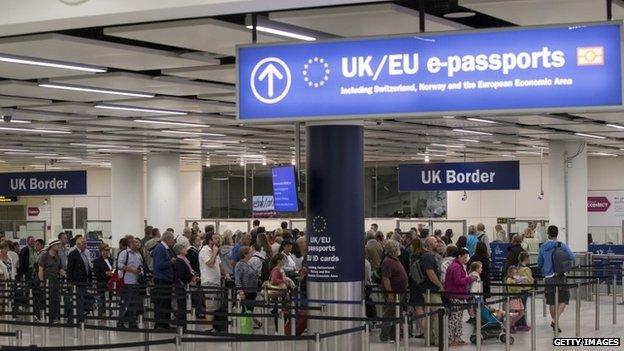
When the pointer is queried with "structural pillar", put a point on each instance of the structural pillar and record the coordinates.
(568, 192)
(163, 191)
(335, 225)
(127, 205)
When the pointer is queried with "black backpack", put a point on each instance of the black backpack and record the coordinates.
(265, 271)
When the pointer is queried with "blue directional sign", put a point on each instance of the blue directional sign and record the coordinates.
(474, 72)
(44, 183)
(499, 175)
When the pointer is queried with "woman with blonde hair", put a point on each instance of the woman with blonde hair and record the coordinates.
(530, 242)
(226, 243)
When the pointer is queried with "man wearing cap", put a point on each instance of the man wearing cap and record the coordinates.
(50, 270)
(79, 275)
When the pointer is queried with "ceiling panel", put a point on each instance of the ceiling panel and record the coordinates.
(534, 119)
(22, 71)
(217, 73)
(13, 101)
(363, 20)
(32, 90)
(610, 117)
(62, 47)
(204, 34)
(180, 104)
(583, 127)
(219, 97)
(535, 12)
(144, 83)
(88, 109)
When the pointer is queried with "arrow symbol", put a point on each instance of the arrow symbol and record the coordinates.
(270, 72)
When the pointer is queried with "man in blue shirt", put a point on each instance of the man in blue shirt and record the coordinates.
(163, 279)
(552, 279)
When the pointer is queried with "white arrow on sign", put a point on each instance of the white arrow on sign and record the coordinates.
(270, 72)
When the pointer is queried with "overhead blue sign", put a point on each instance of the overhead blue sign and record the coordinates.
(44, 183)
(499, 175)
(284, 189)
(473, 72)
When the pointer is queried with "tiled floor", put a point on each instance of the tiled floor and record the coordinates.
(544, 334)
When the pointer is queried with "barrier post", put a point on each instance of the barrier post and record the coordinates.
(83, 333)
(544, 305)
(97, 313)
(317, 342)
(397, 330)
(18, 337)
(613, 291)
(366, 341)
(75, 309)
(31, 309)
(533, 343)
(266, 309)
(178, 342)
(229, 319)
(63, 319)
(44, 333)
(427, 319)
(556, 331)
(507, 324)
(405, 332)
(478, 325)
(597, 298)
(293, 321)
(445, 326)
(578, 311)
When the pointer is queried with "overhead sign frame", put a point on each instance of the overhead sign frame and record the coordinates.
(486, 112)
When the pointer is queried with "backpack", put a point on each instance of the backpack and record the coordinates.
(415, 272)
(471, 244)
(560, 261)
(265, 271)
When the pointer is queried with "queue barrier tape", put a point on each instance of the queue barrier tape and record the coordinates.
(91, 347)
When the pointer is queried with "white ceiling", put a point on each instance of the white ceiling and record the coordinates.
(184, 64)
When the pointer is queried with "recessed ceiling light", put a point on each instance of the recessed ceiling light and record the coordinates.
(19, 121)
(94, 90)
(617, 126)
(32, 130)
(481, 120)
(182, 124)
(459, 14)
(50, 63)
(449, 145)
(603, 154)
(283, 33)
(192, 133)
(590, 136)
(471, 131)
(141, 109)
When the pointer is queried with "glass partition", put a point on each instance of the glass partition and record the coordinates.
(233, 225)
(98, 230)
(270, 224)
(458, 226)
(385, 224)
(406, 224)
(606, 235)
(15, 230)
(539, 226)
(202, 223)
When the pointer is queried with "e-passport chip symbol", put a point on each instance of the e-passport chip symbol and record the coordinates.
(590, 56)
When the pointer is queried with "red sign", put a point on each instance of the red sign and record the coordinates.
(597, 204)
(33, 211)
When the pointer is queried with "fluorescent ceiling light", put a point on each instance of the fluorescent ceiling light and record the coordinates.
(448, 117)
(603, 154)
(14, 150)
(213, 146)
(481, 120)
(182, 124)
(94, 90)
(49, 63)
(100, 145)
(192, 133)
(246, 156)
(507, 155)
(459, 14)
(449, 145)
(29, 153)
(30, 130)
(469, 140)
(590, 136)
(617, 126)
(527, 152)
(112, 151)
(19, 121)
(140, 109)
(471, 131)
(283, 33)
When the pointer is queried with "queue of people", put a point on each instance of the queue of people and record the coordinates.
(448, 273)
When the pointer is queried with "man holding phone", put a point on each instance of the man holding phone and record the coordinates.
(210, 274)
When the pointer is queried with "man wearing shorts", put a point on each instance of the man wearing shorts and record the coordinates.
(210, 273)
(552, 279)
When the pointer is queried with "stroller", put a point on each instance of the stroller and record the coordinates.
(491, 327)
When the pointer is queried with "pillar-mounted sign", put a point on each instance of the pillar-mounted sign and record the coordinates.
(44, 183)
(499, 175)
(562, 68)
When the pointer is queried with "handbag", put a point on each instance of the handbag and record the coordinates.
(274, 291)
(116, 282)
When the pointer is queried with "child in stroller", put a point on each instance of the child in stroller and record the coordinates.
(492, 324)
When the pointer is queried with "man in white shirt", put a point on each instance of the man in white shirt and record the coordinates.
(210, 274)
